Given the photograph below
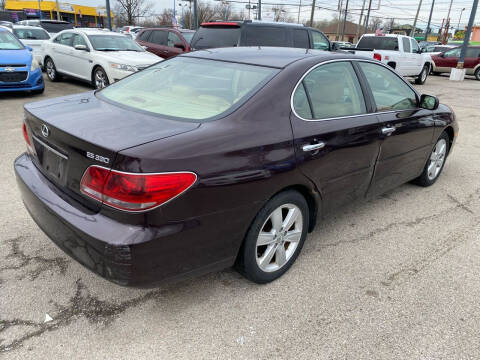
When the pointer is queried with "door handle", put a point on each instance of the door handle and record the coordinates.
(388, 130)
(313, 147)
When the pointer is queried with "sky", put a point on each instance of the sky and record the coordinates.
(403, 11)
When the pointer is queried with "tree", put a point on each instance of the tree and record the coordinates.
(131, 10)
(374, 23)
(165, 18)
(2, 4)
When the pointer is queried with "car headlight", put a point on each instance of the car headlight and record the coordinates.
(35, 65)
(123, 67)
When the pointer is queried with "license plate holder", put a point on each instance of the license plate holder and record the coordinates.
(53, 162)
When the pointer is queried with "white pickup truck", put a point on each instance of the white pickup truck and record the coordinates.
(398, 51)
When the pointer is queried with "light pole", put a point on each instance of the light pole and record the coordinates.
(429, 21)
(39, 10)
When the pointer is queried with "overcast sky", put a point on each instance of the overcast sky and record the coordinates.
(403, 11)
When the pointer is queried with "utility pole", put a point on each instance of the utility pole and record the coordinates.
(360, 20)
(340, 6)
(259, 10)
(368, 15)
(312, 13)
(449, 9)
(460, 18)
(440, 31)
(427, 30)
(466, 40)
(58, 12)
(299, 9)
(195, 14)
(416, 18)
(109, 15)
(39, 10)
(344, 20)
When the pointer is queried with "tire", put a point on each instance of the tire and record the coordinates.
(51, 70)
(99, 78)
(435, 163)
(420, 80)
(477, 74)
(266, 253)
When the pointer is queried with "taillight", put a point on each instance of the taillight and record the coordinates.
(377, 56)
(27, 139)
(134, 191)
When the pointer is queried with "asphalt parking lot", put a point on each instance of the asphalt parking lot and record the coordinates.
(393, 278)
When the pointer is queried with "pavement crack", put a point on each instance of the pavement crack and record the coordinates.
(81, 304)
(460, 204)
(41, 263)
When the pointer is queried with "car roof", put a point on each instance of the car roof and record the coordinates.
(278, 57)
(250, 23)
(93, 31)
(27, 27)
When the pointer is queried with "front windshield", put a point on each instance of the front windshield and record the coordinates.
(31, 34)
(114, 43)
(189, 88)
(9, 42)
(188, 36)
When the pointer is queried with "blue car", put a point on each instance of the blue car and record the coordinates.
(19, 71)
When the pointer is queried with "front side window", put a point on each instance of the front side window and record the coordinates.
(9, 42)
(173, 39)
(188, 36)
(159, 37)
(454, 53)
(320, 42)
(333, 90)
(389, 91)
(78, 40)
(65, 39)
(114, 43)
(31, 34)
(415, 47)
(188, 88)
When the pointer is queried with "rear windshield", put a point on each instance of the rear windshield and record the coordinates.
(53, 27)
(31, 34)
(378, 43)
(216, 36)
(188, 88)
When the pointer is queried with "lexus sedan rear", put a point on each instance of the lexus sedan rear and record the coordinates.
(222, 157)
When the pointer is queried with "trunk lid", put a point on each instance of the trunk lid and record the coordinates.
(71, 133)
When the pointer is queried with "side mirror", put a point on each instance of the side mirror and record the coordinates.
(28, 48)
(335, 46)
(81, 47)
(441, 55)
(179, 45)
(419, 51)
(429, 102)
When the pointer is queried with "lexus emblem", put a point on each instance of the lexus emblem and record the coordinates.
(9, 69)
(45, 130)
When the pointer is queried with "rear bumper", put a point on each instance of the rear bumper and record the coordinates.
(33, 82)
(129, 255)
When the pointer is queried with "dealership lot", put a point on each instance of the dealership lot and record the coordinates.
(395, 277)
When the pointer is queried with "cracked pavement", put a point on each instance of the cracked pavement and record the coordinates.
(396, 277)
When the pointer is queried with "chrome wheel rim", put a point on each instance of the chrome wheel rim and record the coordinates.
(437, 158)
(279, 237)
(100, 79)
(424, 74)
(50, 70)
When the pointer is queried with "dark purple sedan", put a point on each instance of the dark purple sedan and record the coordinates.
(222, 157)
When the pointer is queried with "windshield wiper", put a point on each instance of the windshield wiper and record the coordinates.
(128, 50)
(107, 49)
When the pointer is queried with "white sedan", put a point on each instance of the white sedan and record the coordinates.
(32, 36)
(97, 56)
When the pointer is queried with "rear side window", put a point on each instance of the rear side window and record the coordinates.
(54, 27)
(389, 91)
(472, 52)
(453, 53)
(300, 39)
(158, 37)
(378, 43)
(301, 103)
(144, 35)
(333, 90)
(406, 44)
(216, 36)
(188, 88)
(265, 36)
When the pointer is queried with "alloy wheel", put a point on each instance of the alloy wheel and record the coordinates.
(279, 237)
(424, 74)
(51, 72)
(101, 80)
(437, 159)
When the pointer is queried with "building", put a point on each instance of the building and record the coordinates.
(85, 16)
(475, 33)
(330, 31)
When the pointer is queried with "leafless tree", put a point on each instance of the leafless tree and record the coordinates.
(165, 18)
(2, 4)
(374, 23)
(132, 10)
